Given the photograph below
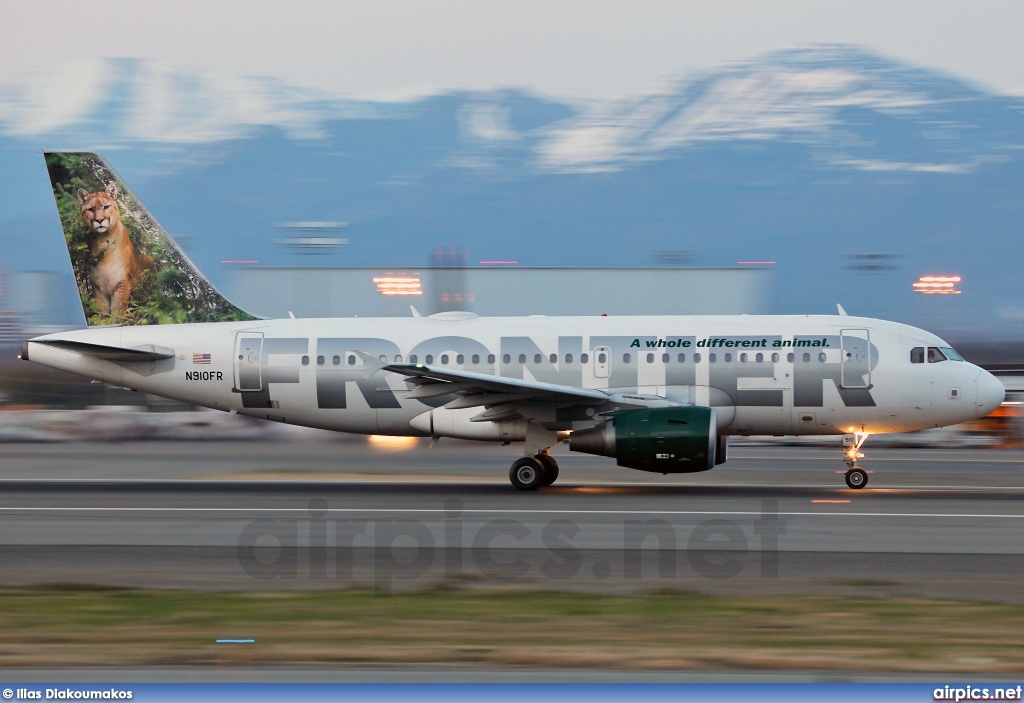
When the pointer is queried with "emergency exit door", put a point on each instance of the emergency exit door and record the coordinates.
(602, 362)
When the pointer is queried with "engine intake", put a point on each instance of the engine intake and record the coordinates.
(662, 440)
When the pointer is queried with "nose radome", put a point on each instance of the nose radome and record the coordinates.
(991, 393)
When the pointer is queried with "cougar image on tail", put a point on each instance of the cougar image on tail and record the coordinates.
(118, 264)
(129, 270)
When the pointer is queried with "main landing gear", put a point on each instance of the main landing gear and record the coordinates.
(856, 477)
(533, 472)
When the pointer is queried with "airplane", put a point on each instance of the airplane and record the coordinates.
(657, 393)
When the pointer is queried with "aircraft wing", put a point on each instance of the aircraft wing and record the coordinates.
(500, 395)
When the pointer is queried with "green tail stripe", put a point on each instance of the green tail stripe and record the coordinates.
(129, 270)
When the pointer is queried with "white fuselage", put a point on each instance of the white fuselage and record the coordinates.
(775, 375)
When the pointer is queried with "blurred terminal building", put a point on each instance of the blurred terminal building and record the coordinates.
(498, 291)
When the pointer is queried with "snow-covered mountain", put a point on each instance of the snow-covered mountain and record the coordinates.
(125, 100)
(810, 157)
(817, 96)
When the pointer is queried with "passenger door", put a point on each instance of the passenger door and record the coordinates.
(248, 361)
(855, 363)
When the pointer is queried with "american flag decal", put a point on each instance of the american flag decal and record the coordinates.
(200, 358)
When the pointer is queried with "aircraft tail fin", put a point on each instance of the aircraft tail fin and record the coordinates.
(128, 269)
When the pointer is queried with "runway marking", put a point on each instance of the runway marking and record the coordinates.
(829, 501)
(505, 511)
(185, 484)
(877, 459)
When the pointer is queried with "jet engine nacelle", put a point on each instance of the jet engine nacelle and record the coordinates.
(663, 440)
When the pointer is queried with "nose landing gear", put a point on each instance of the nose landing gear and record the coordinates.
(856, 477)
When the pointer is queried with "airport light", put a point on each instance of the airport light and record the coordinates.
(398, 285)
(937, 285)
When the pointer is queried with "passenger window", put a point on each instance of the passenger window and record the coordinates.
(602, 358)
(626, 358)
(712, 358)
(568, 358)
(775, 358)
(743, 357)
(790, 357)
(430, 359)
(807, 357)
(935, 355)
(728, 357)
(917, 355)
(696, 358)
(681, 358)
(305, 361)
(522, 358)
(537, 358)
(821, 357)
(759, 358)
(584, 358)
(319, 361)
(553, 358)
(665, 358)
(476, 359)
(413, 359)
(398, 359)
(444, 359)
(650, 358)
(490, 358)
(352, 360)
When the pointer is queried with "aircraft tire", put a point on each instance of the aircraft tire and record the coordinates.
(856, 478)
(527, 474)
(550, 469)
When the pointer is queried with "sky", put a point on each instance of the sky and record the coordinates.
(592, 49)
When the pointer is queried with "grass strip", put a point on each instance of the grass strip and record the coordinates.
(75, 626)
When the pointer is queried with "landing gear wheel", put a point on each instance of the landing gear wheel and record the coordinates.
(856, 478)
(550, 468)
(527, 474)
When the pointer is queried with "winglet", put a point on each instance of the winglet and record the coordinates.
(415, 312)
(842, 312)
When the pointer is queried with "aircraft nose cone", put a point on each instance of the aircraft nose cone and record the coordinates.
(990, 393)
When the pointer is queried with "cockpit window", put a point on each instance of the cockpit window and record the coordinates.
(950, 354)
(935, 355)
(917, 355)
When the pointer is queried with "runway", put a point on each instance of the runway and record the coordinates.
(326, 514)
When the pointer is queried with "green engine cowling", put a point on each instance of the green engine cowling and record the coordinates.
(662, 440)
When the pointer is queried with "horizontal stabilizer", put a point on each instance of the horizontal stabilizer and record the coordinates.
(148, 352)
